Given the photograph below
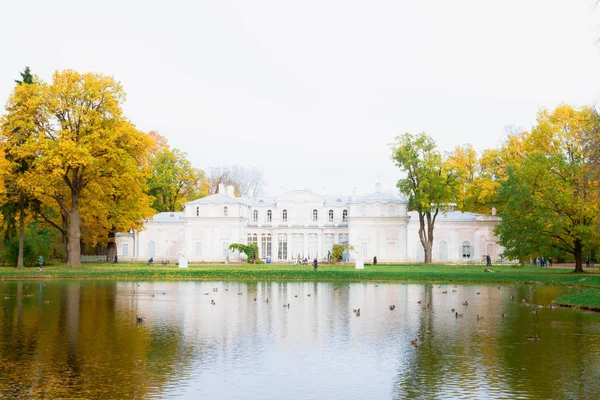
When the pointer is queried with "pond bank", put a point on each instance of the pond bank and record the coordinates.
(470, 274)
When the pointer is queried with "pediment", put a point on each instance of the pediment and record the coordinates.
(299, 197)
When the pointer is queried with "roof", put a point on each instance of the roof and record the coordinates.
(220, 199)
(378, 197)
(456, 216)
(168, 217)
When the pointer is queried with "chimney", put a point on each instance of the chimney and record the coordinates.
(230, 191)
(222, 189)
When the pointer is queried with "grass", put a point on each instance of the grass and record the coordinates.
(284, 272)
(587, 299)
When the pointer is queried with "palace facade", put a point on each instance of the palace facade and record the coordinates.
(306, 224)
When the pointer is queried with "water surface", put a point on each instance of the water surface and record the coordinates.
(81, 339)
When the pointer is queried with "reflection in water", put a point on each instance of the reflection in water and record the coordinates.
(81, 339)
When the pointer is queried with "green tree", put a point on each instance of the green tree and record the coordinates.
(173, 181)
(251, 251)
(551, 197)
(429, 182)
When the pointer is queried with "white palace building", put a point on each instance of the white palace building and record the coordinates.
(304, 223)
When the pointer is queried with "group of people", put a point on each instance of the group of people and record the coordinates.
(304, 261)
(542, 262)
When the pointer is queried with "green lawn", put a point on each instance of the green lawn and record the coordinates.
(589, 299)
(270, 272)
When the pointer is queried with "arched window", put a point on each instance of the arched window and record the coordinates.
(330, 215)
(225, 211)
(392, 211)
(197, 211)
(255, 216)
(363, 211)
(284, 215)
(466, 250)
(345, 216)
(315, 215)
(269, 215)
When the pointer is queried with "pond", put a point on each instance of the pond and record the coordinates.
(82, 339)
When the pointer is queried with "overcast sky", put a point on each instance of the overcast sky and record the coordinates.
(312, 92)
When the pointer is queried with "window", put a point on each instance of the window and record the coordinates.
(466, 250)
(343, 238)
(284, 215)
(265, 246)
(315, 215)
(392, 211)
(197, 211)
(255, 216)
(328, 241)
(297, 245)
(313, 245)
(330, 215)
(269, 215)
(252, 239)
(125, 250)
(363, 211)
(198, 249)
(225, 211)
(282, 249)
(345, 216)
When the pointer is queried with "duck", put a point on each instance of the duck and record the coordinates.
(419, 302)
(392, 307)
(308, 295)
(534, 338)
(465, 303)
(534, 311)
(164, 294)
(215, 289)
(356, 311)
(296, 295)
(206, 294)
(255, 299)
(415, 342)
(140, 320)
(444, 292)
(286, 305)
(212, 302)
(376, 285)
(503, 315)
(335, 288)
(453, 310)
(478, 293)
(457, 315)
(239, 293)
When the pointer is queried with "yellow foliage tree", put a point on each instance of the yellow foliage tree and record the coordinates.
(86, 154)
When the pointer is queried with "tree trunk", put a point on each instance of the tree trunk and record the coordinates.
(64, 236)
(74, 257)
(21, 231)
(111, 247)
(428, 250)
(578, 255)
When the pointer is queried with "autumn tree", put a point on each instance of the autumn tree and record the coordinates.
(26, 118)
(173, 180)
(429, 182)
(551, 195)
(81, 151)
